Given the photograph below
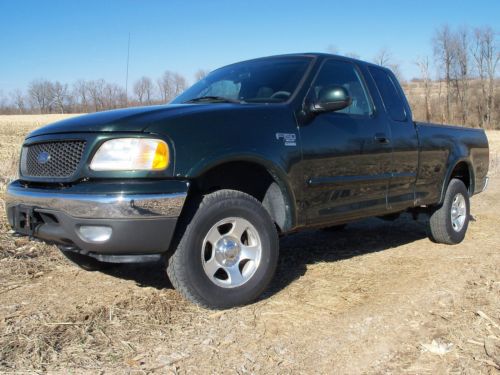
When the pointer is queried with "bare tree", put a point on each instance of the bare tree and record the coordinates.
(423, 65)
(143, 89)
(40, 92)
(59, 95)
(19, 100)
(200, 74)
(170, 85)
(81, 95)
(486, 55)
(165, 86)
(180, 84)
(461, 71)
(96, 93)
(444, 55)
(384, 58)
(4, 107)
(353, 55)
(114, 96)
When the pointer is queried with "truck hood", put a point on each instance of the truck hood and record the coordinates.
(121, 120)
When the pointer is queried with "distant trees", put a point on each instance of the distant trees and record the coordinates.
(171, 85)
(44, 96)
(81, 96)
(60, 96)
(444, 56)
(458, 85)
(384, 58)
(425, 74)
(467, 64)
(200, 74)
(144, 90)
(486, 55)
(40, 94)
(19, 101)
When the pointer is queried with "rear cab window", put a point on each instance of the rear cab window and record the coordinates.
(391, 96)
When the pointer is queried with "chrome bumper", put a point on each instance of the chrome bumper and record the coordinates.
(98, 206)
(139, 217)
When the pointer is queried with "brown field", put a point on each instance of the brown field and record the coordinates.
(378, 297)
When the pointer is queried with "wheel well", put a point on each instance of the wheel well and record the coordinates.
(461, 172)
(250, 178)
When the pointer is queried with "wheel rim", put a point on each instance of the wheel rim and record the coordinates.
(231, 252)
(458, 212)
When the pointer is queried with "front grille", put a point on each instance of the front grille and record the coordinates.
(57, 159)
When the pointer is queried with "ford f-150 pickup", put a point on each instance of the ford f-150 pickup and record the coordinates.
(255, 150)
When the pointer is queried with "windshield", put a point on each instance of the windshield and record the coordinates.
(272, 80)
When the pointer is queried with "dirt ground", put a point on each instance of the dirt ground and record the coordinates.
(377, 297)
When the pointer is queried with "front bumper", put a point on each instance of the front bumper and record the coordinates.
(142, 215)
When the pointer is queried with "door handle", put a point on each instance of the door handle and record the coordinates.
(381, 138)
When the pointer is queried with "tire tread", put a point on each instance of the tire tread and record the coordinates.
(439, 228)
(177, 270)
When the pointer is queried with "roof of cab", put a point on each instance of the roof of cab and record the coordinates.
(315, 55)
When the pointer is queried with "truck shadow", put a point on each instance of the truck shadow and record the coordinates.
(303, 248)
(357, 239)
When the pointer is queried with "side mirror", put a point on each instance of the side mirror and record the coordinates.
(331, 98)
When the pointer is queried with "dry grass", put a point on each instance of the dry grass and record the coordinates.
(366, 300)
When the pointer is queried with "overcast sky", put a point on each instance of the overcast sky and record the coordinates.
(67, 40)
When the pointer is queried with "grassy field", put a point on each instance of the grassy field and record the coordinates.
(378, 297)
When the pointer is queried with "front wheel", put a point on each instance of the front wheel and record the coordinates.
(449, 222)
(228, 253)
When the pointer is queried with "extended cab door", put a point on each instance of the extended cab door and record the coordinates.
(403, 137)
(347, 154)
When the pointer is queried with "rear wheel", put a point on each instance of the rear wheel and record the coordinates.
(228, 252)
(448, 223)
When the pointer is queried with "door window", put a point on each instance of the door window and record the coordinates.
(345, 74)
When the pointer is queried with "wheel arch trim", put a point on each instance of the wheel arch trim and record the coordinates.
(277, 172)
(452, 166)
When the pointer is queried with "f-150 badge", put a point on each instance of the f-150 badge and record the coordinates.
(289, 138)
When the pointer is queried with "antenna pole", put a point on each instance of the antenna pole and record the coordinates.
(126, 78)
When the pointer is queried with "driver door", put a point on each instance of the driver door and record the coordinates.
(346, 154)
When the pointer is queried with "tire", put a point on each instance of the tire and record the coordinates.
(228, 251)
(442, 227)
(87, 263)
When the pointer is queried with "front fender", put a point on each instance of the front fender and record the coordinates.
(276, 170)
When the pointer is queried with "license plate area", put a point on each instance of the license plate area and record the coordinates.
(26, 219)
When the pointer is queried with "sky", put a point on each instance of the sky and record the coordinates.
(67, 40)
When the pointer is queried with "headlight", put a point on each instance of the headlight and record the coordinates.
(131, 154)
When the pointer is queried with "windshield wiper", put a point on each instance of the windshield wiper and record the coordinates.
(214, 99)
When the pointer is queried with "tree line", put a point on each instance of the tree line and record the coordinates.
(83, 96)
(458, 84)
(465, 90)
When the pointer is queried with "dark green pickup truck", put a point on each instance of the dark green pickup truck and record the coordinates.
(255, 150)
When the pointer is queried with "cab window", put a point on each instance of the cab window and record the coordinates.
(345, 74)
(393, 102)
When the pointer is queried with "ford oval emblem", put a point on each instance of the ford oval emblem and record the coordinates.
(43, 157)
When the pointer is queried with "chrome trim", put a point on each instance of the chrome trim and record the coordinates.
(99, 206)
